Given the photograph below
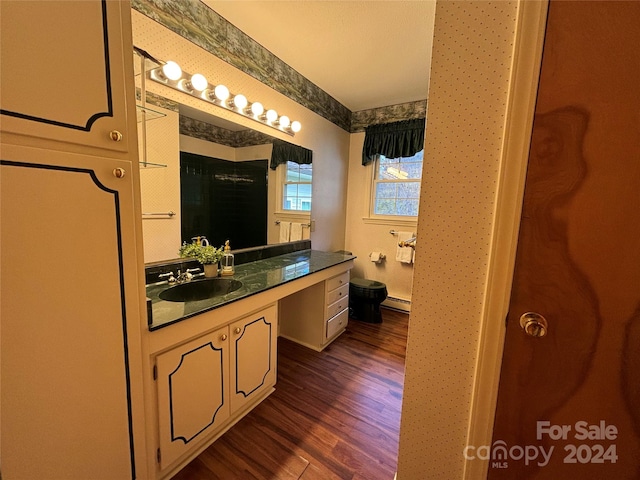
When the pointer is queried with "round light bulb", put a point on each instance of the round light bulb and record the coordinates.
(272, 115)
(257, 109)
(172, 70)
(284, 121)
(222, 92)
(296, 126)
(199, 82)
(240, 101)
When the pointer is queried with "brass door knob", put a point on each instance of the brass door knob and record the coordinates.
(118, 172)
(237, 330)
(534, 324)
(115, 135)
(223, 337)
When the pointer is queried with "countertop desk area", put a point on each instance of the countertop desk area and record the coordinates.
(213, 360)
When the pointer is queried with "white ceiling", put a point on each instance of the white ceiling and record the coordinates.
(366, 54)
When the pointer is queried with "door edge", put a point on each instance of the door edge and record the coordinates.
(525, 73)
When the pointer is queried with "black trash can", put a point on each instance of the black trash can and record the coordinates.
(365, 297)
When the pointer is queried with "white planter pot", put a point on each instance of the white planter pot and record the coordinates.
(211, 270)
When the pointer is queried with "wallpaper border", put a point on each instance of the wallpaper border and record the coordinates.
(202, 26)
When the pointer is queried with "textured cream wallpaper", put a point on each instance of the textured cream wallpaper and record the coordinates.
(472, 51)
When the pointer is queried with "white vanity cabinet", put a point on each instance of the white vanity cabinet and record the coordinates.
(317, 315)
(206, 384)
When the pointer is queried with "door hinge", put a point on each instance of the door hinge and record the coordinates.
(158, 455)
(155, 372)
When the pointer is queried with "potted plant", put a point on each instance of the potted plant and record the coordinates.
(208, 256)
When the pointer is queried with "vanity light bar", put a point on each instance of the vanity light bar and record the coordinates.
(171, 75)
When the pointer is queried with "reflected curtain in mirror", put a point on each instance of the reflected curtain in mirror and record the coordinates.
(284, 152)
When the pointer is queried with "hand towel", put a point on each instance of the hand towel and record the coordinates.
(296, 232)
(404, 254)
(285, 229)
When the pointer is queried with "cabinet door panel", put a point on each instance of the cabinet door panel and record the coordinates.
(253, 351)
(192, 393)
(69, 318)
(64, 79)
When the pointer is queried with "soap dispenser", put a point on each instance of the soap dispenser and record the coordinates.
(227, 260)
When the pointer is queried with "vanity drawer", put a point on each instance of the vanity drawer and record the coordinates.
(338, 281)
(338, 294)
(337, 323)
(337, 307)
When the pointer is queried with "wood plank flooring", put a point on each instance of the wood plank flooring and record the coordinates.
(334, 414)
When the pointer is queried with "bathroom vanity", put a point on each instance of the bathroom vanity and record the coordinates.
(215, 359)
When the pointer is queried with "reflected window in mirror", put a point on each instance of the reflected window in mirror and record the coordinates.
(296, 188)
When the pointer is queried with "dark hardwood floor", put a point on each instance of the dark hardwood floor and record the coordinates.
(334, 414)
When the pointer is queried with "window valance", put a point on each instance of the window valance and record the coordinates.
(393, 140)
(284, 152)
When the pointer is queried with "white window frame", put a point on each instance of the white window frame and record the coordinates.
(281, 179)
(369, 215)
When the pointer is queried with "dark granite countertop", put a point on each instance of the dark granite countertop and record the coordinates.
(255, 276)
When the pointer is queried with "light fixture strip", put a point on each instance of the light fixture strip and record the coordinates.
(197, 86)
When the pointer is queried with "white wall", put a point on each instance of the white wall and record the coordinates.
(330, 144)
(364, 237)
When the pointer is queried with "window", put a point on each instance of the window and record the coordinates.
(396, 185)
(297, 187)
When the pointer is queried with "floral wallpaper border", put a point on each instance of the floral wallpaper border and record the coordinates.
(211, 133)
(391, 113)
(199, 24)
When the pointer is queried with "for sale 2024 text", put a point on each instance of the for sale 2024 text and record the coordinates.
(500, 454)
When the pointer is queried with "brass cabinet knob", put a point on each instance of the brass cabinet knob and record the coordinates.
(119, 172)
(223, 337)
(237, 330)
(534, 324)
(115, 135)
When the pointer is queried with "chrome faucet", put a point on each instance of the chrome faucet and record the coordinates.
(187, 276)
(169, 276)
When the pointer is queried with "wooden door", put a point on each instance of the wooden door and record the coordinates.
(576, 389)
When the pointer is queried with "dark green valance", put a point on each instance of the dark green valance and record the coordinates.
(393, 140)
(284, 152)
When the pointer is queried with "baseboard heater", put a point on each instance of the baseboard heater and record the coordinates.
(397, 303)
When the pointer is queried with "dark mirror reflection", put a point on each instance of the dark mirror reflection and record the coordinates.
(223, 200)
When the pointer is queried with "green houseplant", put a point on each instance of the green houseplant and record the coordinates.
(207, 255)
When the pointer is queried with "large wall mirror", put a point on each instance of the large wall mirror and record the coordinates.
(201, 175)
